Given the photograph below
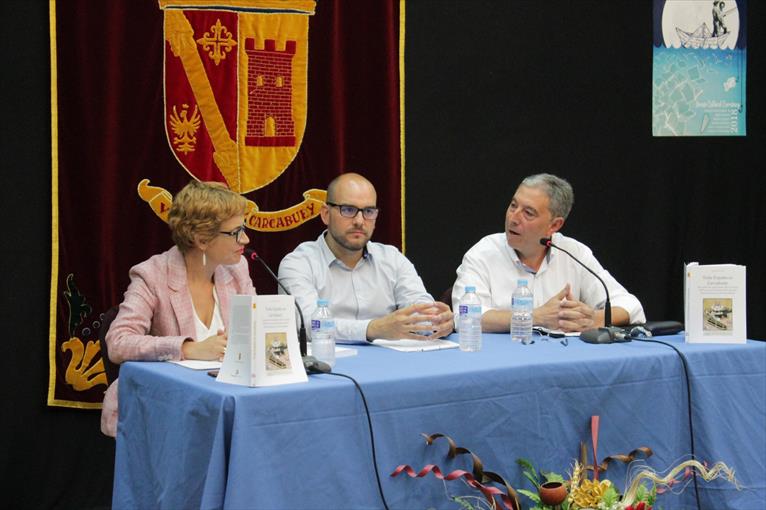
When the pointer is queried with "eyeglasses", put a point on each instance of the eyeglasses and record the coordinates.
(236, 233)
(350, 211)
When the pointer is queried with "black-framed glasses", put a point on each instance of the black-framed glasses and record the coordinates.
(350, 211)
(236, 233)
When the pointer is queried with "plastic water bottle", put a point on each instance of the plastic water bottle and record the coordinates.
(470, 320)
(522, 304)
(323, 333)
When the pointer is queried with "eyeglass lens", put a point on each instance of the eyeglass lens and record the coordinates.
(350, 211)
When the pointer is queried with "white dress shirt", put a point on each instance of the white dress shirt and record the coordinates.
(383, 281)
(494, 268)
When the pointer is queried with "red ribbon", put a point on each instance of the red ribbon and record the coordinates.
(476, 479)
(594, 438)
(596, 467)
(488, 491)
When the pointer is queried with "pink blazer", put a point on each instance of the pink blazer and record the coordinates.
(157, 315)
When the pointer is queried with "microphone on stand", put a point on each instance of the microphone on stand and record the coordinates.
(607, 334)
(310, 363)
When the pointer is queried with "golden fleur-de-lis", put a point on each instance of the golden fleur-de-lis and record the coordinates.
(217, 44)
(185, 128)
(81, 374)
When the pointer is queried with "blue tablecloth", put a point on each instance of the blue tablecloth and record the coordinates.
(187, 441)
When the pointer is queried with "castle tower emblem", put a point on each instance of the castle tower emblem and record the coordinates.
(242, 65)
(236, 95)
(269, 95)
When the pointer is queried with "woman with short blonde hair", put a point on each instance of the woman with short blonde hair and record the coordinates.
(199, 209)
(177, 304)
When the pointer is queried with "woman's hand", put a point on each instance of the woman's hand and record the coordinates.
(211, 348)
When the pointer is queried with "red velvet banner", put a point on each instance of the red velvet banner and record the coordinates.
(140, 106)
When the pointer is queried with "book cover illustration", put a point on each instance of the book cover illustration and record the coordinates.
(715, 303)
(277, 355)
(717, 315)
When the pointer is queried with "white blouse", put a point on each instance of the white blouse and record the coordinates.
(216, 323)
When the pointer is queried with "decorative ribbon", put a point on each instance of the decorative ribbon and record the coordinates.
(594, 420)
(688, 473)
(476, 479)
(689, 468)
(160, 200)
(596, 468)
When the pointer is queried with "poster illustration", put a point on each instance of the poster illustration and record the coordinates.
(699, 68)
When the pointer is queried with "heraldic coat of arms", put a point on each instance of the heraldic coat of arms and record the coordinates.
(236, 98)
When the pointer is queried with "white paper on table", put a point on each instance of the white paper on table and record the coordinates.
(198, 364)
(406, 345)
(340, 352)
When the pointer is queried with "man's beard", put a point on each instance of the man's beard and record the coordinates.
(358, 246)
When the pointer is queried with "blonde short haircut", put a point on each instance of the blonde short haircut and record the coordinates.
(199, 209)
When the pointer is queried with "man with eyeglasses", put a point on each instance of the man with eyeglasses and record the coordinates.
(566, 296)
(373, 290)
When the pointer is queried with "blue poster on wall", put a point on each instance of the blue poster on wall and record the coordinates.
(699, 68)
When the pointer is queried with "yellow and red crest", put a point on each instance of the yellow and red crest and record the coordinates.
(236, 97)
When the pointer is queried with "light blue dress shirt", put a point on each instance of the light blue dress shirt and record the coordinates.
(383, 281)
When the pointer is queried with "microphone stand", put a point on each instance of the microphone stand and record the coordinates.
(253, 255)
(604, 335)
(310, 363)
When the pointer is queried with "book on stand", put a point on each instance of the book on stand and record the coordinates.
(262, 348)
(715, 306)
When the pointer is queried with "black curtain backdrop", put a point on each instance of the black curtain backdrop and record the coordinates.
(495, 90)
(500, 90)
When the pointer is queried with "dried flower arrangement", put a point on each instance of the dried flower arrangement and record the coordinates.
(581, 491)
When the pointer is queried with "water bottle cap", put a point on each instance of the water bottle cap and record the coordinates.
(522, 282)
(470, 288)
(322, 302)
